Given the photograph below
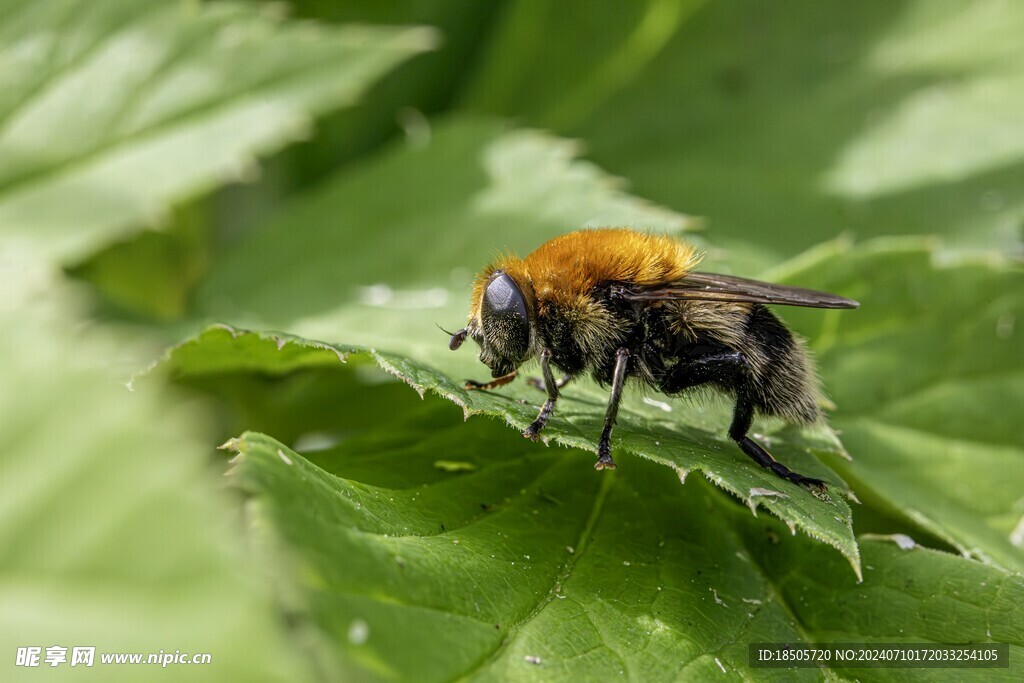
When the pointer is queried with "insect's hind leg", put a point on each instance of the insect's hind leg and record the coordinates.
(727, 368)
(742, 418)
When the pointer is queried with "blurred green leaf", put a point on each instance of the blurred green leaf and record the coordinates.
(113, 534)
(924, 375)
(152, 273)
(789, 123)
(412, 225)
(569, 61)
(402, 100)
(524, 567)
(112, 111)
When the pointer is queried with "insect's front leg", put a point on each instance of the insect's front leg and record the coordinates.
(551, 387)
(493, 384)
(604, 446)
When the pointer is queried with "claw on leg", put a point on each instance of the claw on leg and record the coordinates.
(604, 460)
(533, 431)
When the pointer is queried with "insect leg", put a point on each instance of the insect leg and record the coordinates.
(493, 384)
(539, 383)
(729, 368)
(551, 387)
(604, 446)
(738, 432)
(715, 365)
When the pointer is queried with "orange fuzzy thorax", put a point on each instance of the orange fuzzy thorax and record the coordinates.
(566, 269)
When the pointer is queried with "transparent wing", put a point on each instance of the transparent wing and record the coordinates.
(713, 287)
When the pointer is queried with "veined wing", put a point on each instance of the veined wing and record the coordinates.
(714, 287)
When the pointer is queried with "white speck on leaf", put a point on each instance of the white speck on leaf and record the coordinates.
(658, 404)
(314, 441)
(904, 542)
(415, 125)
(280, 454)
(758, 492)
(719, 663)
(358, 632)
(532, 659)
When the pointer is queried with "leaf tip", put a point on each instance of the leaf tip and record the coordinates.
(232, 444)
(342, 356)
(855, 564)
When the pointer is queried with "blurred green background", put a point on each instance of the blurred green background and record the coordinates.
(338, 171)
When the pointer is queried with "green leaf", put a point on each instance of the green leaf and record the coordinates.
(112, 111)
(869, 118)
(419, 219)
(556, 83)
(685, 442)
(400, 102)
(526, 566)
(114, 537)
(925, 375)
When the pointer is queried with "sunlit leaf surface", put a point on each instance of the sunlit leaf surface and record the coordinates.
(112, 111)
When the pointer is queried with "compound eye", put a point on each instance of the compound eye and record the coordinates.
(506, 323)
(503, 297)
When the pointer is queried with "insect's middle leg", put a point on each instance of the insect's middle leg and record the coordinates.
(604, 446)
(551, 387)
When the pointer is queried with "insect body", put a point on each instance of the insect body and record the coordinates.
(621, 304)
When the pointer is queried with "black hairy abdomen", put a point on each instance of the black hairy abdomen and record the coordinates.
(782, 384)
